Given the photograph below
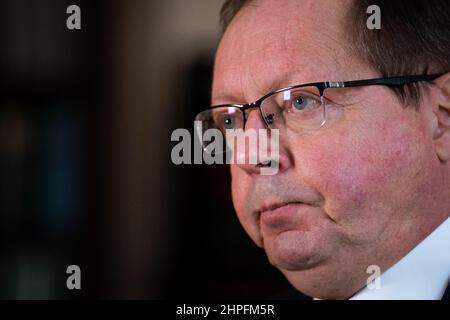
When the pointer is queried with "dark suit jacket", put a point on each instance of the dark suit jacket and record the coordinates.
(446, 295)
(293, 294)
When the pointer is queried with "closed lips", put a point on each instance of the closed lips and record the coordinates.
(276, 206)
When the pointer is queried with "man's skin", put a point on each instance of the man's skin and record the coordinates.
(362, 190)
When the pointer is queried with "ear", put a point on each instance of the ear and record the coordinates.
(441, 127)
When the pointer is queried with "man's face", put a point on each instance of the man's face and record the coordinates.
(346, 196)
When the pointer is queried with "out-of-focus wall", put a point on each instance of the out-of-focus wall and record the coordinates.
(152, 41)
(86, 176)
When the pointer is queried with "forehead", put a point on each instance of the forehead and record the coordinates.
(276, 43)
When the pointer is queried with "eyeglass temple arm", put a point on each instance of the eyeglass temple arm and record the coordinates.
(392, 81)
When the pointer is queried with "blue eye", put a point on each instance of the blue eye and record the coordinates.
(301, 103)
(229, 122)
(269, 118)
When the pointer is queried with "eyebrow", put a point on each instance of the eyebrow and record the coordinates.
(282, 80)
(226, 99)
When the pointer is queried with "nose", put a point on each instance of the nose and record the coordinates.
(257, 149)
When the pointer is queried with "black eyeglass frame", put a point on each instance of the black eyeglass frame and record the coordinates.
(397, 81)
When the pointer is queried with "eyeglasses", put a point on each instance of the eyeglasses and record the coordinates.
(299, 108)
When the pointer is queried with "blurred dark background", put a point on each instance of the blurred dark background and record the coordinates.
(86, 176)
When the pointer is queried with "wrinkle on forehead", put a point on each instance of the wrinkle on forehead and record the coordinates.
(268, 47)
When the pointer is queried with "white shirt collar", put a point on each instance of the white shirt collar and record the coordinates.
(423, 273)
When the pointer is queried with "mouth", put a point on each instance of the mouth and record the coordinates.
(283, 216)
(273, 208)
(277, 205)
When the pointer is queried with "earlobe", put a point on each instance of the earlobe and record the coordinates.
(442, 129)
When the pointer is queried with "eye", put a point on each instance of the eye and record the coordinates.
(229, 122)
(304, 102)
(269, 118)
(227, 118)
(225, 121)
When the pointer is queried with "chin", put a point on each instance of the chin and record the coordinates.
(297, 250)
(309, 260)
(324, 282)
(324, 276)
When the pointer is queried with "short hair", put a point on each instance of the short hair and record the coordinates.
(414, 38)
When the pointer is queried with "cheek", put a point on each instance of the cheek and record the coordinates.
(363, 178)
(241, 187)
(238, 191)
